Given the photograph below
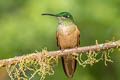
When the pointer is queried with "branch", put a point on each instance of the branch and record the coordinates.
(97, 47)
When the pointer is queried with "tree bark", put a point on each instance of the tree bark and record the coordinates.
(79, 50)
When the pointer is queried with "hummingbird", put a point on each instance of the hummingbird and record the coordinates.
(68, 36)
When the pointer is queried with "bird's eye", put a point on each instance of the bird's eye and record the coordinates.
(66, 16)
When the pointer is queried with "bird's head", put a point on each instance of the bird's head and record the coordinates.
(62, 17)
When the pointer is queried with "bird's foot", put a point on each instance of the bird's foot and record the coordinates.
(76, 47)
(62, 50)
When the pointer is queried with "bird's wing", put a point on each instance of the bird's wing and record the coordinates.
(57, 36)
(78, 37)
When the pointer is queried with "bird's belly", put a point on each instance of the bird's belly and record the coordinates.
(68, 41)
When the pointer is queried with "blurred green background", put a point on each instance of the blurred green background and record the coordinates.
(23, 30)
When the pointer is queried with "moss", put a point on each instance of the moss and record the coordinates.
(94, 57)
(30, 66)
(106, 56)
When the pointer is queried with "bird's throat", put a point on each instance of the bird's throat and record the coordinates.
(66, 28)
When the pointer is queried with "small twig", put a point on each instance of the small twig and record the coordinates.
(97, 47)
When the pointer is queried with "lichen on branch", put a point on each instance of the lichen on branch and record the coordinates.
(27, 67)
(42, 63)
(93, 57)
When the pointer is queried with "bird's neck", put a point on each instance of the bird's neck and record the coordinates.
(65, 21)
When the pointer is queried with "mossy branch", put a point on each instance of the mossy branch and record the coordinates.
(85, 49)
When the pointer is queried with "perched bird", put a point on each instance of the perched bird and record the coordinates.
(68, 36)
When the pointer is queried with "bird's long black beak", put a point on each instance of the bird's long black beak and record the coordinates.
(49, 14)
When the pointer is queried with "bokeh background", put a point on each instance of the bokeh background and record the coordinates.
(23, 30)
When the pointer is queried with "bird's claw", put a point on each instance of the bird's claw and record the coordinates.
(62, 50)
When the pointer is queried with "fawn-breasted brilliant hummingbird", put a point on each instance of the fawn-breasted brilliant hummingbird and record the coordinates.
(68, 36)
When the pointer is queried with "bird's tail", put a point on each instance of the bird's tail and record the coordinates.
(69, 65)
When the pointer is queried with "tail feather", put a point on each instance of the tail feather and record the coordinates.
(69, 65)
